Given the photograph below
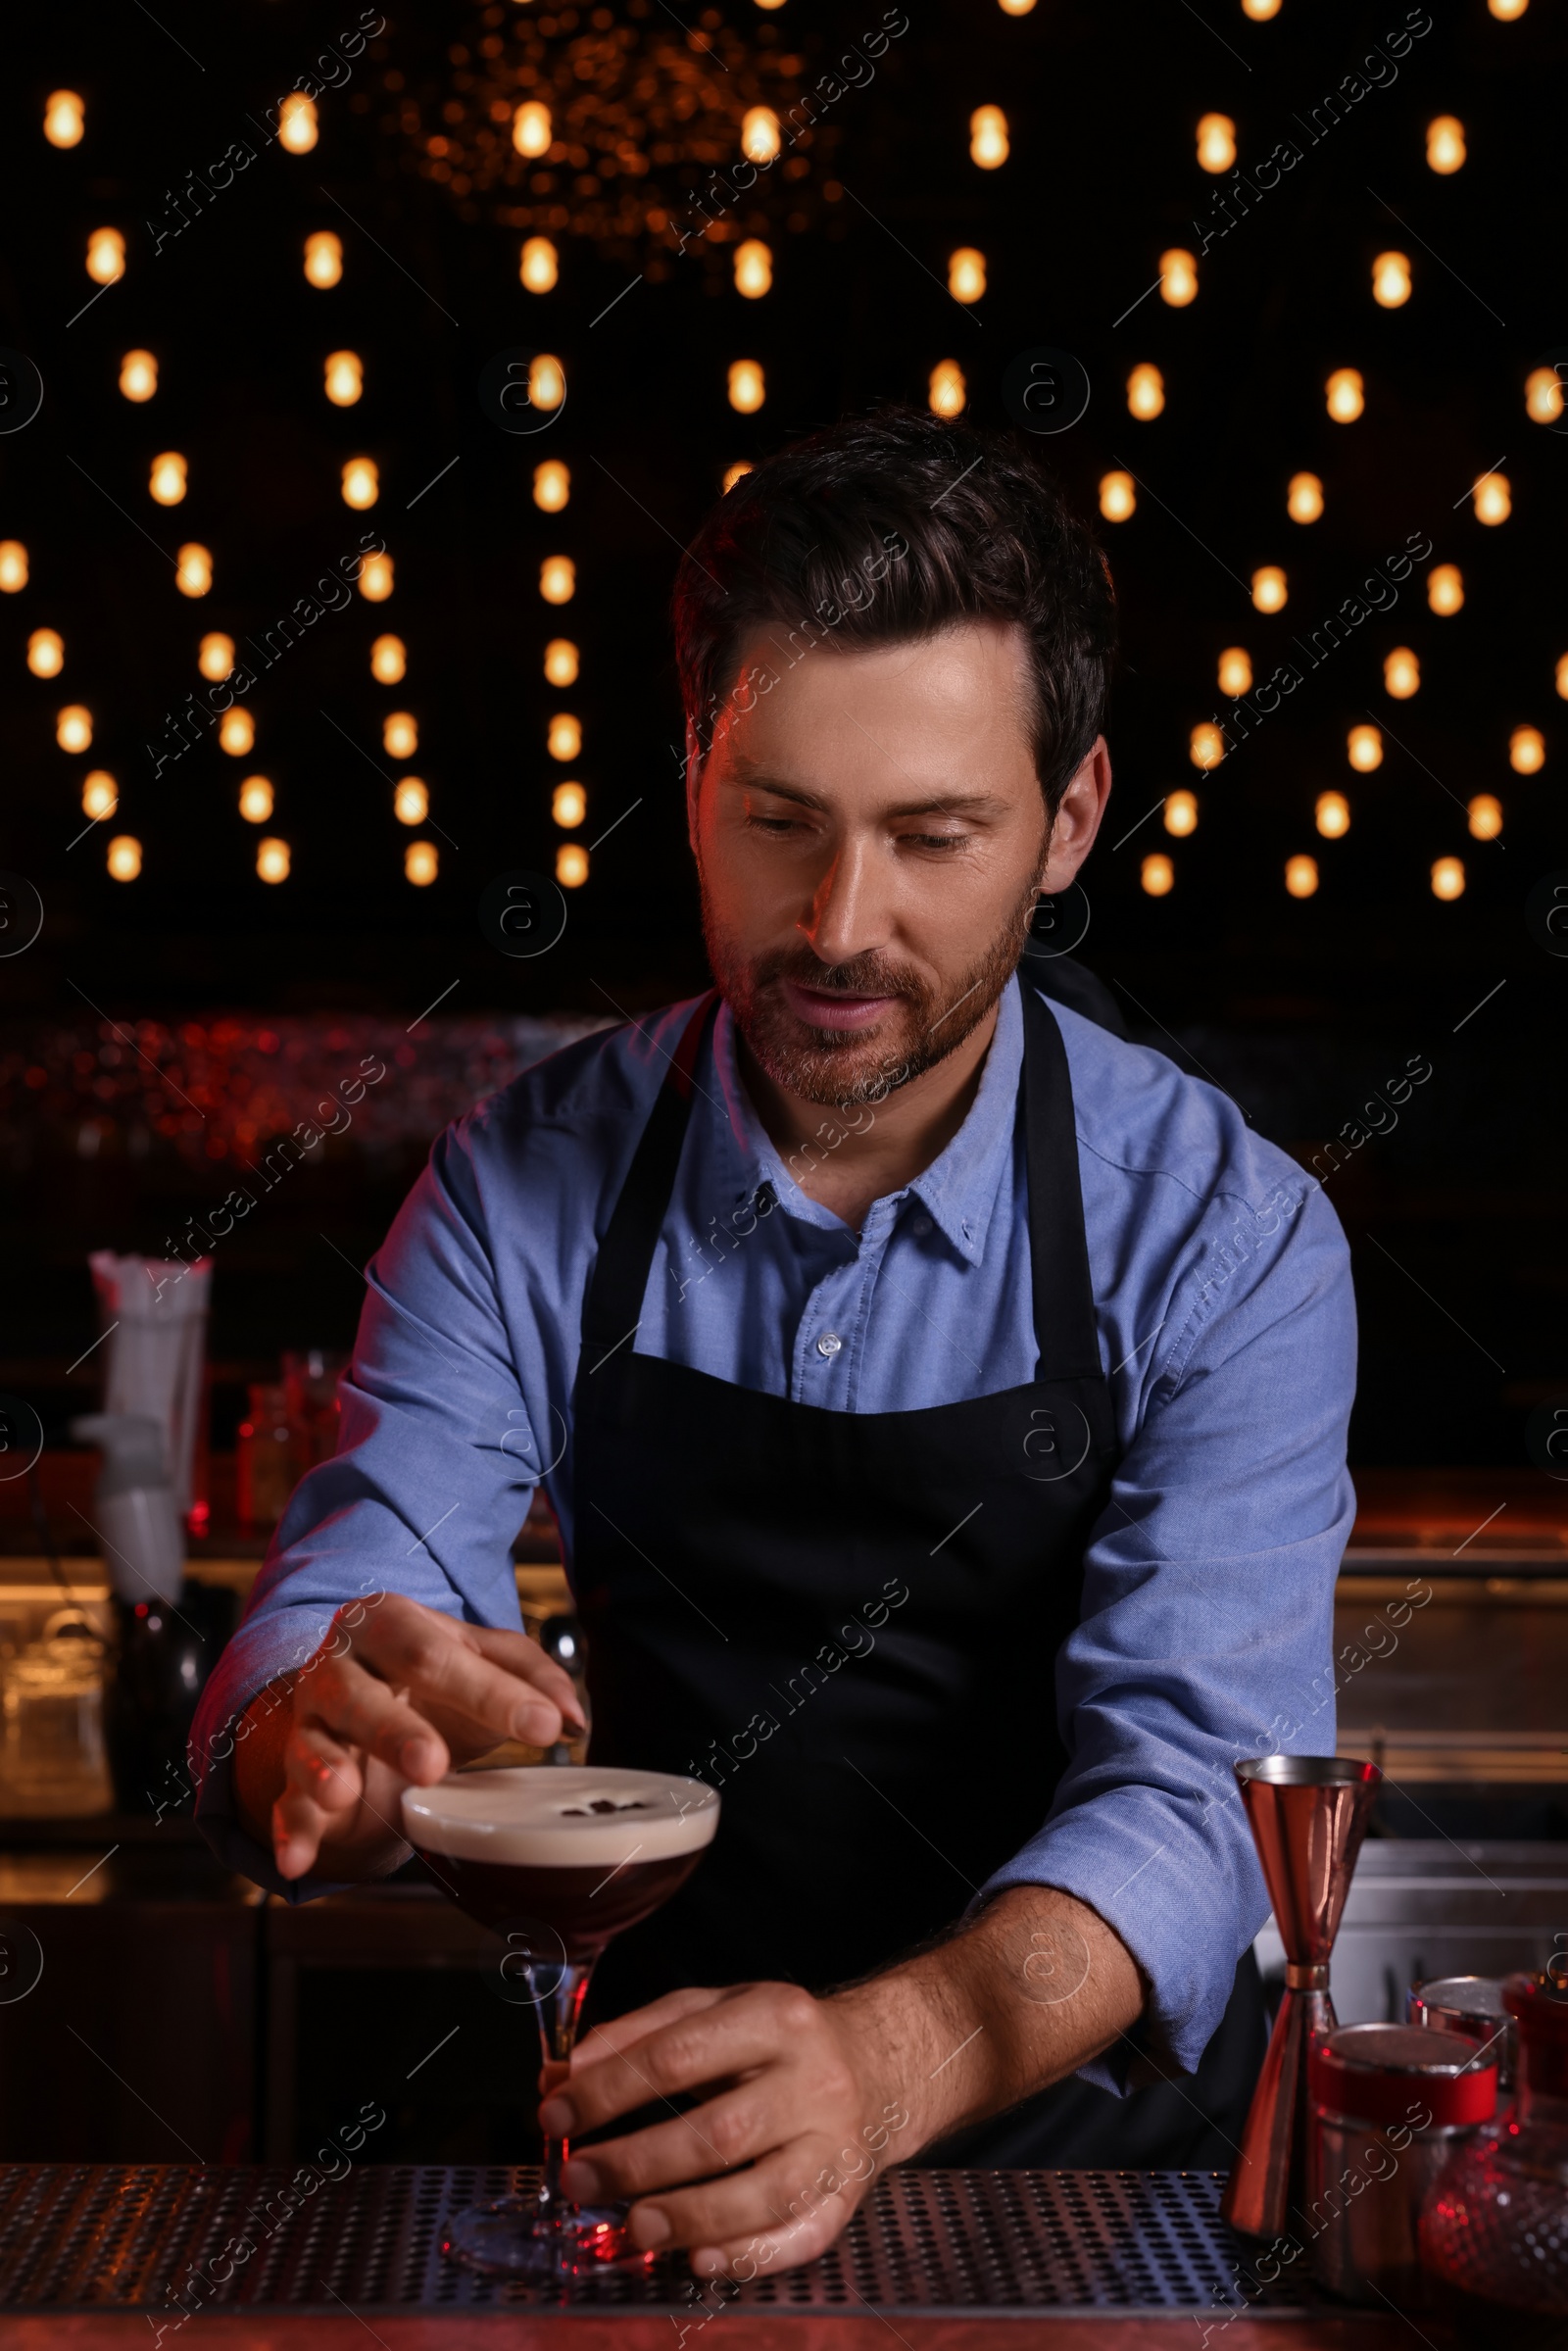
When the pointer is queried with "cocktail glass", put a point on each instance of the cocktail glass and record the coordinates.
(554, 1860)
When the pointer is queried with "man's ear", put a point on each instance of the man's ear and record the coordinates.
(1078, 817)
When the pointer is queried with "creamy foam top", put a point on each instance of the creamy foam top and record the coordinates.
(561, 1816)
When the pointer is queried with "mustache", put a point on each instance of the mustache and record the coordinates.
(862, 975)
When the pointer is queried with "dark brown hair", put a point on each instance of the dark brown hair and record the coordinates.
(890, 528)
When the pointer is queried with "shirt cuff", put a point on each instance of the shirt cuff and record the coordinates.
(1185, 1904)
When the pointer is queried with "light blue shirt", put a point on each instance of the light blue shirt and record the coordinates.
(1227, 1331)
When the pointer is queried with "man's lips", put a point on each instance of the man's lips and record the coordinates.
(828, 1008)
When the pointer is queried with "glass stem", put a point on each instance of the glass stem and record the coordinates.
(558, 1998)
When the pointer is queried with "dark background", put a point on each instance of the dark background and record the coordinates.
(1298, 1007)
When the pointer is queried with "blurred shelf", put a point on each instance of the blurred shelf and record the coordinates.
(66, 1481)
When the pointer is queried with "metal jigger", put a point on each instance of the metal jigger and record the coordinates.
(1308, 1815)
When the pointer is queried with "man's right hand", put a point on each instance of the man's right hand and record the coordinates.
(397, 1693)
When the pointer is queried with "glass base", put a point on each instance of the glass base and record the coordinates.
(513, 2238)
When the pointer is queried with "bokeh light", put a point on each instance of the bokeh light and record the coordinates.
(1303, 498)
(967, 273)
(1178, 277)
(1445, 590)
(138, 376)
(323, 258)
(1146, 392)
(1216, 142)
(1445, 148)
(64, 118)
(1345, 394)
(193, 569)
(988, 137)
(1402, 674)
(748, 387)
(948, 392)
(538, 266)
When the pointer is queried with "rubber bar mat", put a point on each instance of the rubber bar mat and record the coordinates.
(176, 2241)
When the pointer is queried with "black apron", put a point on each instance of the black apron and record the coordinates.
(849, 1623)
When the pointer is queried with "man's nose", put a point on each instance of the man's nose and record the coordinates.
(851, 908)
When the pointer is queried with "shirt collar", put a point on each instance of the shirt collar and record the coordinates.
(960, 1188)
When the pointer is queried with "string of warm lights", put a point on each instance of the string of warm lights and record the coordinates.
(535, 135)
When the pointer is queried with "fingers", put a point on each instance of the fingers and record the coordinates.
(781, 2248)
(783, 2210)
(747, 2026)
(520, 1656)
(615, 2040)
(323, 1784)
(344, 1721)
(747, 2122)
(343, 1706)
(499, 1682)
(392, 1686)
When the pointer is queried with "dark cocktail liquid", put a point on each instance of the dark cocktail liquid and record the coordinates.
(585, 1906)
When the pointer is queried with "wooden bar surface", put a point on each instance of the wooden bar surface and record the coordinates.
(743, 2330)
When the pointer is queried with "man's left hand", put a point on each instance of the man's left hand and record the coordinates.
(801, 2114)
(808, 2100)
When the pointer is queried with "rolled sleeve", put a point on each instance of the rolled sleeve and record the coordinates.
(1206, 1624)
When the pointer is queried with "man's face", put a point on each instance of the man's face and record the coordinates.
(871, 837)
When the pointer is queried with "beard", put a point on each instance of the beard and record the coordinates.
(925, 1024)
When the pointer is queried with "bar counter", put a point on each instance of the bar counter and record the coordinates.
(281, 2333)
(247, 2256)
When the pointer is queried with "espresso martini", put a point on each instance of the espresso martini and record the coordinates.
(580, 1853)
(587, 1852)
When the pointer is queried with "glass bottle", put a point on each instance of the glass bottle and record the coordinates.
(161, 1661)
(1494, 2231)
(264, 1466)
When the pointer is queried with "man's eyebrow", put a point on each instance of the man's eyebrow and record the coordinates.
(934, 804)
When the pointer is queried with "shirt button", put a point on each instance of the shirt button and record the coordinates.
(922, 1226)
(829, 1343)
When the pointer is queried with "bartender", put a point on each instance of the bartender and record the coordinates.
(942, 1400)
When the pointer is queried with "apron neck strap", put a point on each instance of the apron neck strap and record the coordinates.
(614, 1304)
(1065, 1329)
